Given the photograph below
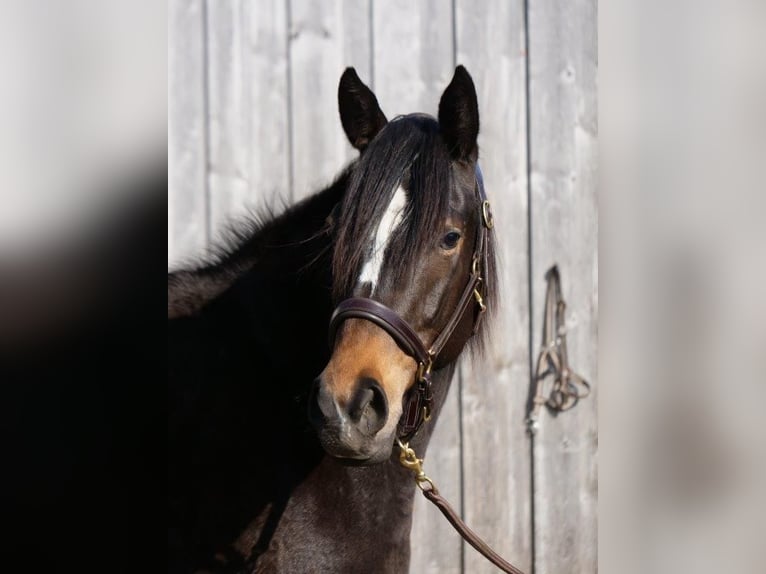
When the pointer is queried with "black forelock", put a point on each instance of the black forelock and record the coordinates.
(408, 151)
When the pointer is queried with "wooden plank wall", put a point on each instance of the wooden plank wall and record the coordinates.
(564, 226)
(253, 121)
(496, 455)
(188, 231)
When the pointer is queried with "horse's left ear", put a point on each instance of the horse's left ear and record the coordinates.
(459, 116)
(360, 113)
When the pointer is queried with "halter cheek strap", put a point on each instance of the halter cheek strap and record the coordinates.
(418, 404)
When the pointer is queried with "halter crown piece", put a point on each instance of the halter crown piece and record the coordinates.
(419, 401)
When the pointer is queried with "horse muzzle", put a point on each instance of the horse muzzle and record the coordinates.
(350, 429)
(356, 402)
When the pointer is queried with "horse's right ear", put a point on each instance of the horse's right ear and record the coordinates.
(459, 116)
(360, 113)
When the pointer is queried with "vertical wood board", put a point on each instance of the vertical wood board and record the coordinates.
(266, 85)
(496, 457)
(228, 112)
(187, 131)
(413, 54)
(564, 232)
(325, 38)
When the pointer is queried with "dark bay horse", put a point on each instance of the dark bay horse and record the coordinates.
(281, 448)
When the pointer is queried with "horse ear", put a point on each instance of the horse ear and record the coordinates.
(459, 116)
(360, 113)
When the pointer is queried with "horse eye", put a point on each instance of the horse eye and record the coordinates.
(450, 240)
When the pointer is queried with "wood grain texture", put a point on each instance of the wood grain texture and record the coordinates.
(187, 131)
(413, 54)
(228, 113)
(266, 90)
(496, 449)
(325, 38)
(564, 231)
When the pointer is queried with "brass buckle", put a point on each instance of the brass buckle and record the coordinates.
(423, 370)
(486, 213)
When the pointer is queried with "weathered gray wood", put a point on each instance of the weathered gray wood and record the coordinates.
(325, 37)
(228, 113)
(413, 54)
(266, 86)
(187, 215)
(496, 449)
(413, 63)
(564, 231)
(248, 117)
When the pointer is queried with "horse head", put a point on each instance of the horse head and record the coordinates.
(412, 266)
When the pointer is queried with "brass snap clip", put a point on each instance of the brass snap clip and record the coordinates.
(409, 460)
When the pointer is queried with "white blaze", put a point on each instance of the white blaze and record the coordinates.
(388, 223)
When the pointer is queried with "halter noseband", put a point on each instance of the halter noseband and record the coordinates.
(418, 405)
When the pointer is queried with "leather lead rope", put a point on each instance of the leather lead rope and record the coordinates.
(409, 460)
(469, 535)
(568, 387)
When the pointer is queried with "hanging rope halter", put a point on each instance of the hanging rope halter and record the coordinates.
(568, 387)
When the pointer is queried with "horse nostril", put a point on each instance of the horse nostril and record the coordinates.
(320, 403)
(369, 406)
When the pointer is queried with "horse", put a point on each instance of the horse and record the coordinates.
(281, 447)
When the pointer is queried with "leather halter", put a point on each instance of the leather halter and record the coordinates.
(418, 406)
